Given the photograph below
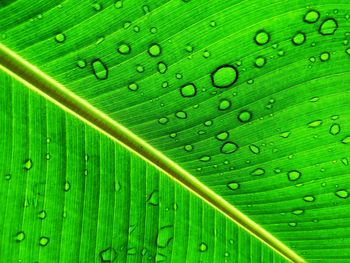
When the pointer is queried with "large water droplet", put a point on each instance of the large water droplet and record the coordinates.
(162, 67)
(311, 16)
(188, 90)
(254, 149)
(299, 39)
(346, 140)
(334, 129)
(224, 104)
(342, 193)
(153, 198)
(154, 50)
(294, 175)
(60, 38)
(262, 37)
(328, 27)
(99, 69)
(229, 147)
(108, 255)
(224, 76)
(222, 136)
(245, 116)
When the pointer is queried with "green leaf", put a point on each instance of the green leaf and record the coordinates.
(71, 194)
(246, 103)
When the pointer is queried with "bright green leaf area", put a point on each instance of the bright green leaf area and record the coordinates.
(70, 194)
(290, 163)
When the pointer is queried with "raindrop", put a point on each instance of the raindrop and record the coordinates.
(163, 120)
(60, 38)
(262, 38)
(181, 115)
(311, 16)
(260, 62)
(328, 27)
(162, 67)
(233, 185)
(292, 224)
(66, 186)
(100, 70)
(153, 198)
(342, 193)
(188, 148)
(298, 212)
(254, 149)
(133, 87)
(140, 68)
(81, 63)
(224, 76)
(154, 50)
(299, 39)
(43, 241)
(28, 164)
(309, 198)
(188, 90)
(8, 177)
(165, 235)
(294, 175)
(315, 124)
(346, 140)
(118, 4)
(334, 129)
(285, 134)
(258, 172)
(222, 136)
(205, 158)
(245, 116)
(203, 247)
(20, 236)
(229, 147)
(42, 214)
(325, 56)
(124, 49)
(224, 104)
(108, 255)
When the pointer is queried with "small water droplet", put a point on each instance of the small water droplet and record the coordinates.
(328, 27)
(20, 236)
(254, 149)
(346, 140)
(309, 198)
(154, 50)
(342, 193)
(124, 49)
(285, 134)
(188, 148)
(81, 63)
(97, 6)
(42, 214)
(311, 16)
(315, 124)
(188, 90)
(233, 185)
(203, 247)
(133, 87)
(140, 68)
(43, 241)
(181, 115)
(163, 120)
(206, 54)
(299, 38)
(245, 116)
(292, 224)
(224, 76)
(108, 255)
(8, 177)
(325, 56)
(66, 186)
(229, 147)
(334, 129)
(118, 4)
(100, 70)
(224, 104)
(258, 172)
(260, 62)
(28, 164)
(262, 37)
(153, 198)
(205, 158)
(298, 212)
(162, 67)
(60, 38)
(222, 136)
(294, 175)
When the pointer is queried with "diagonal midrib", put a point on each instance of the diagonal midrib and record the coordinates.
(38, 81)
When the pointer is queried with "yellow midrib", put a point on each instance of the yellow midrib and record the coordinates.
(38, 81)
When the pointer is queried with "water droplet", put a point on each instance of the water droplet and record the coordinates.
(20, 236)
(66, 186)
(42, 214)
(154, 50)
(118, 4)
(229, 147)
(124, 49)
(292, 224)
(108, 255)
(347, 51)
(285, 134)
(311, 16)
(294, 175)
(60, 38)
(309, 198)
(97, 6)
(222, 136)
(153, 198)
(224, 104)
(346, 140)
(315, 124)
(245, 116)
(145, 9)
(205, 158)
(328, 27)
(345, 161)
(163, 120)
(334, 129)
(206, 54)
(262, 37)
(208, 123)
(181, 115)
(299, 39)
(28, 164)
(258, 172)
(48, 156)
(254, 149)
(342, 193)
(81, 63)
(165, 235)
(140, 68)
(162, 67)
(224, 76)
(260, 62)
(100, 70)
(43, 241)
(298, 212)
(188, 90)
(8, 177)
(133, 87)
(233, 185)
(325, 56)
(188, 148)
(203, 247)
